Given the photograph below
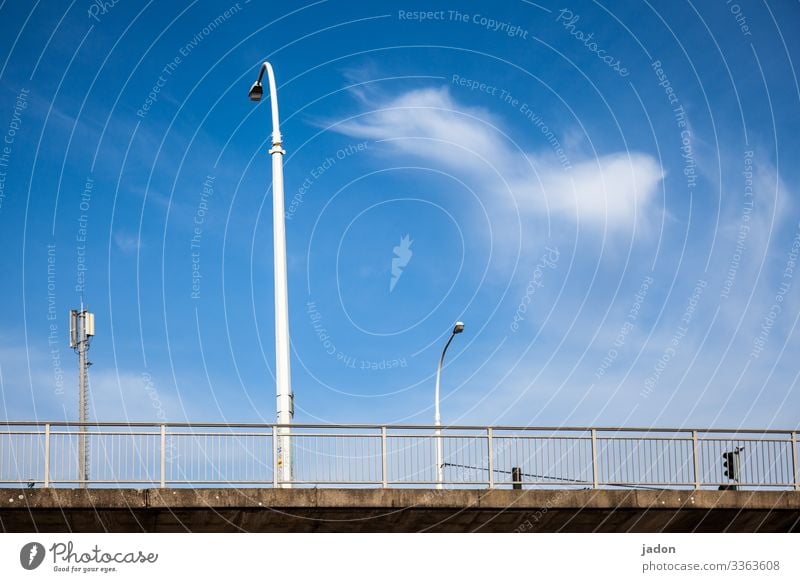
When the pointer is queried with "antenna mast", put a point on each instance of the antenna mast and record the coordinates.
(81, 328)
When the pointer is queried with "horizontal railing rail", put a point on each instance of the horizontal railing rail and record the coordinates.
(46, 454)
(332, 426)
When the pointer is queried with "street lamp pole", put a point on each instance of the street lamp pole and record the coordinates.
(459, 327)
(282, 372)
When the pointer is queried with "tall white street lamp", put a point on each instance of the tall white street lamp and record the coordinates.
(282, 371)
(459, 327)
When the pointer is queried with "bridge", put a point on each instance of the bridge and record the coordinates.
(226, 477)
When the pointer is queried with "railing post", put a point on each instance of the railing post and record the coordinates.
(384, 475)
(696, 460)
(47, 455)
(163, 455)
(794, 463)
(274, 456)
(594, 458)
(491, 457)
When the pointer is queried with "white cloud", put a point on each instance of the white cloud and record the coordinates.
(614, 190)
(127, 242)
(32, 388)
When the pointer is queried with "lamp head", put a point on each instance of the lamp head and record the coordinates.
(256, 92)
(459, 327)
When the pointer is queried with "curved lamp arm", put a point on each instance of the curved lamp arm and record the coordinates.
(256, 91)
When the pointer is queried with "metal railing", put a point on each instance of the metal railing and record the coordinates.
(175, 454)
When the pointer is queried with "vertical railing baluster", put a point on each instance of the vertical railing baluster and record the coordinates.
(47, 455)
(491, 457)
(275, 456)
(594, 458)
(795, 474)
(385, 477)
(163, 455)
(696, 460)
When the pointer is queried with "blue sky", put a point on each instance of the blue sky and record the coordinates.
(605, 194)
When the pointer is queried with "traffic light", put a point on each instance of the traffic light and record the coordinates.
(730, 464)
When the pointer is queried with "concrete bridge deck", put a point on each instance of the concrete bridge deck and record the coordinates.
(396, 510)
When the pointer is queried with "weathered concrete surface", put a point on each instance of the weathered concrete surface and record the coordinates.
(395, 510)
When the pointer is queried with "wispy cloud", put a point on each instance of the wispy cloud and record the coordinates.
(613, 190)
(36, 384)
(127, 242)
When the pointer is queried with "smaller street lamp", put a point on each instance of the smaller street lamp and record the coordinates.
(459, 327)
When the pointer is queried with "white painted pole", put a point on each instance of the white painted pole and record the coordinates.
(282, 368)
(437, 418)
